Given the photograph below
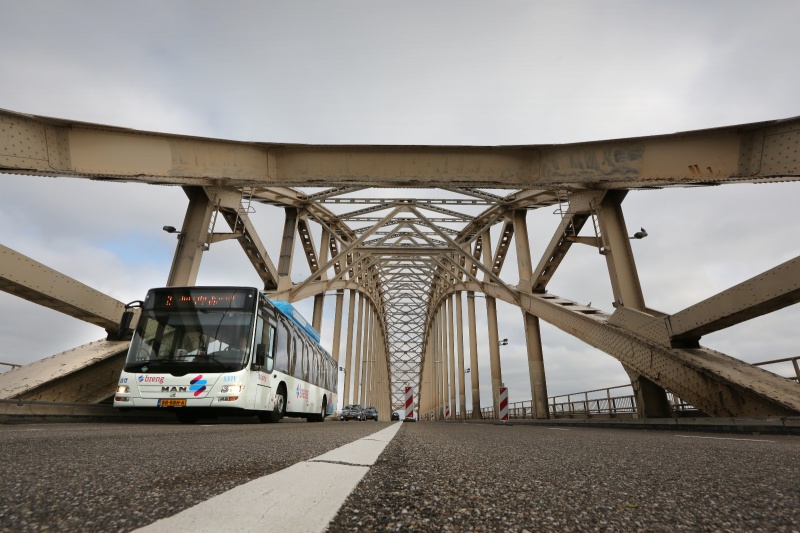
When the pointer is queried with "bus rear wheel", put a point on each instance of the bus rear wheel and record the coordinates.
(321, 416)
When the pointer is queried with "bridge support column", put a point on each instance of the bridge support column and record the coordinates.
(348, 367)
(384, 388)
(452, 357)
(337, 326)
(462, 397)
(442, 365)
(491, 319)
(533, 338)
(430, 379)
(433, 371)
(366, 355)
(494, 353)
(650, 398)
(192, 239)
(473, 357)
(359, 342)
(372, 358)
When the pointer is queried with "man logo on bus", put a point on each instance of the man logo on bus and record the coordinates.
(198, 385)
(302, 393)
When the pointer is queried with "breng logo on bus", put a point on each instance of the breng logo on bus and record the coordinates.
(198, 385)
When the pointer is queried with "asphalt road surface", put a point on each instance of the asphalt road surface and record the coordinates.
(430, 477)
(484, 477)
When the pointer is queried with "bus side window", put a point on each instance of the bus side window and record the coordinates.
(306, 365)
(293, 359)
(268, 346)
(282, 352)
(315, 373)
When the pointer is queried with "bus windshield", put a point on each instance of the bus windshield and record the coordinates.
(181, 341)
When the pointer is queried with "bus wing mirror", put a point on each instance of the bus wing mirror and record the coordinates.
(127, 318)
(125, 322)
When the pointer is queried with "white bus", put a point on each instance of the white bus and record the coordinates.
(212, 351)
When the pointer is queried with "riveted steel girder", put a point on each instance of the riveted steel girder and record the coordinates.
(43, 145)
(404, 265)
(711, 381)
(22, 276)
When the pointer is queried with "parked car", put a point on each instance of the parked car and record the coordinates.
(352, 412)
(370, 413)
(395, 416)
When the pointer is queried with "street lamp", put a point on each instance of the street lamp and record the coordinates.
(504, 342)
(639, 234)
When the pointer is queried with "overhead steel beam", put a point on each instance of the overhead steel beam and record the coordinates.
(41, 145)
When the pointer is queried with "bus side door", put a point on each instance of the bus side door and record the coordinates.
(263, 362)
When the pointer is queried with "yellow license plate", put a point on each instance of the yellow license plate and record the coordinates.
(172, 403)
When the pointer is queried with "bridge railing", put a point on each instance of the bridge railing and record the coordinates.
(597, 402)
(605, 403)
(782, 366)
(12, 365)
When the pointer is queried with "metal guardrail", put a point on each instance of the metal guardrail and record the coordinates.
(601, 403)
(795, 361)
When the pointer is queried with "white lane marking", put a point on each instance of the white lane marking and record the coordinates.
(304, 497)
(561, 429)
(361, 452)
(721, 438)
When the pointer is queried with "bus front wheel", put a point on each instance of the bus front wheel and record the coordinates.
(278, 411)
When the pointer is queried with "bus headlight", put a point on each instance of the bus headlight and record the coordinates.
(123, 389)
(231, 389)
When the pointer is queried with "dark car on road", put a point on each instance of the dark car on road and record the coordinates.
(395, 416)
(352, 412)
(370, 413)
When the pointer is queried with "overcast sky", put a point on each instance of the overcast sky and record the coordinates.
(463, 73)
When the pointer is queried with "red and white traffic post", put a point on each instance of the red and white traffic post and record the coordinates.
(409, 402)
(503, 404)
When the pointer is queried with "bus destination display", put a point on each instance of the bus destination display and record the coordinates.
(196, 299)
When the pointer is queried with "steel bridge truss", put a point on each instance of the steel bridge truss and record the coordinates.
(407, 262)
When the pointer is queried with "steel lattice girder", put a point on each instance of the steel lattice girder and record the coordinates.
(417, 261)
